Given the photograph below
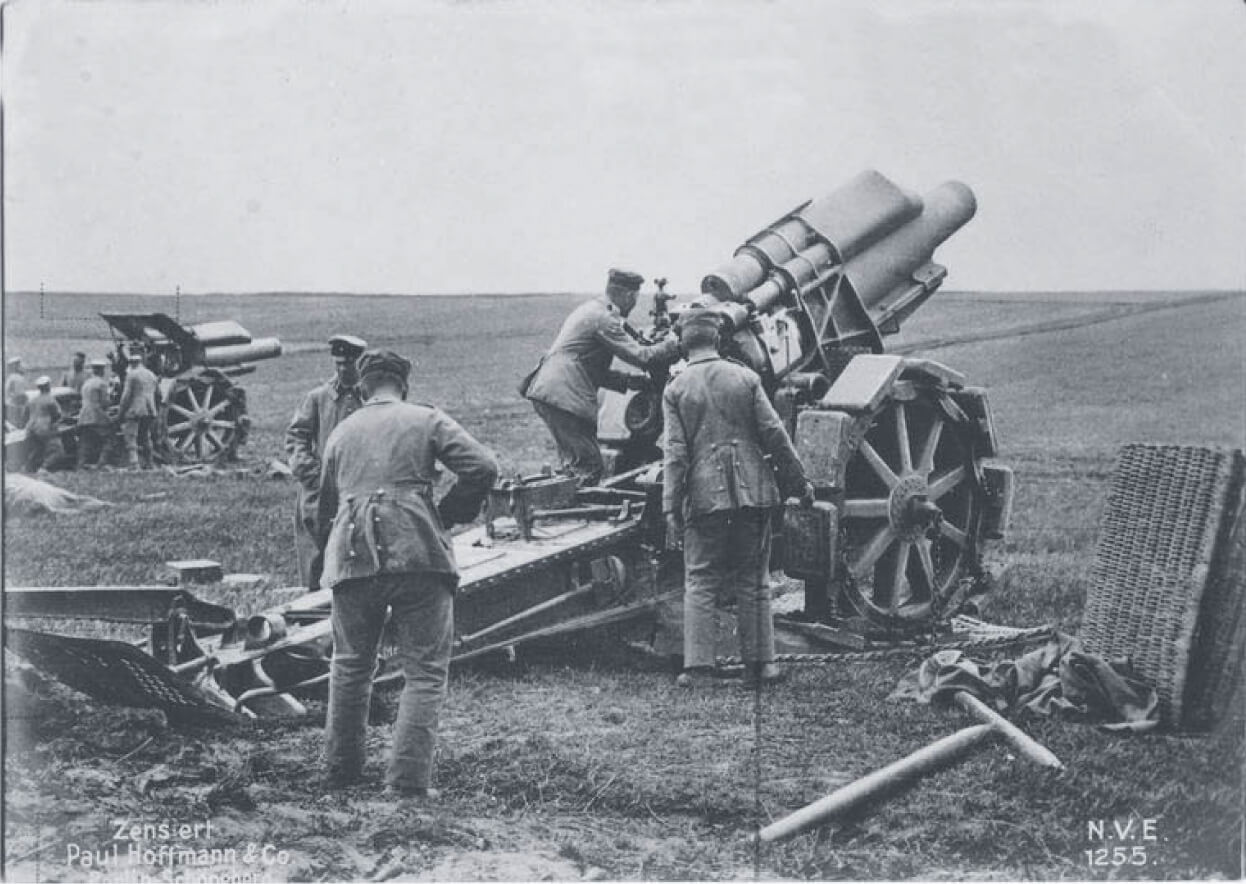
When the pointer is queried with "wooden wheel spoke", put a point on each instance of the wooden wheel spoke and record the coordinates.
(927, 564)
(216, 409)
(182, 411)
(182, 427)
(186, 441)
(952, 533)
(215, 442)
(192, 398)
(942, 484)
(898, 576)
(223, 425)
(207, 396)
(867, 508)
(925, 463)
(876, 462)
(902, 438)
(872, 551)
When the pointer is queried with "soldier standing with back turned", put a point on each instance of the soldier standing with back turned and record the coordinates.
(137, 411)
(93, 420)
(718, 494)
(321, 410)
(388, 547)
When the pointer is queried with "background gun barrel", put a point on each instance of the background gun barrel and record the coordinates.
(234, 354)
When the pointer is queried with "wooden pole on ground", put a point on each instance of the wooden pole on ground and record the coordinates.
(940, 753)
(1025, 744)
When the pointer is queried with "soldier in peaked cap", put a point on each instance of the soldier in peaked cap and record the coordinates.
(42, 439)
(320, 411)
(138, 410)
(387, 546)
(718, 491)
(93, 420)
(563, 386)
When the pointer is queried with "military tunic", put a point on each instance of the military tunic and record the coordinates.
(386, 547)
(720, 430)
(317, 416)
(563, 387)
(137, 412)
(93, 421)
(42, 439)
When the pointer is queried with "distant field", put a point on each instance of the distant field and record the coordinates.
(603, 762)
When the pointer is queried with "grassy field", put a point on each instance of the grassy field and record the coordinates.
(593, 764)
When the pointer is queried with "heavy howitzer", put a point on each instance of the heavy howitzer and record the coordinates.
(896, 447)
(203, 414)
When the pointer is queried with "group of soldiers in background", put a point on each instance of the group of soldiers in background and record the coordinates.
(40, 416)
(367, 526)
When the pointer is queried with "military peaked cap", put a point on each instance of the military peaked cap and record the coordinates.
(43, 381)
(347, 346)
(624, 279)
(700, 316)
(384, 362)
(13, 360)
(97, 363)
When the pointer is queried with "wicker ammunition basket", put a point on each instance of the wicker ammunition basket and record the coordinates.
(1166, 587)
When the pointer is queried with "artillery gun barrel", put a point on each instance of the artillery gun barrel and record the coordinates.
(233, 354)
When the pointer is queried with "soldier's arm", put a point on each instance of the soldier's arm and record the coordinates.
(675, 458)
(127, 396)
(777, 443)
(301, 442)
(471, 462)
(611, 333)
(326, 502)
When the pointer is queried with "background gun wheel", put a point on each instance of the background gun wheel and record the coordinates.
(203, 417)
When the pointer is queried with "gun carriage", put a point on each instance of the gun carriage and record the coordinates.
(899, 450)
(203, 413)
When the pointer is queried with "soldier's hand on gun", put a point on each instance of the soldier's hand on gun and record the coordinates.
(674, 531)
(806, 495)
(637, 382)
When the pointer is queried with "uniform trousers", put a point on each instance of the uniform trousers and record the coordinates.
(576, 438)
(140, 439)
(726, 553)
(422, 621)
(307, 550)
(42, 448)
(91, 439)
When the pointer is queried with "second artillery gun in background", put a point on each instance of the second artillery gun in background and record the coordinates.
(203, 413)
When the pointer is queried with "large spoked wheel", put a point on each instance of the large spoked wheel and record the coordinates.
(910, 515)
(203, 420)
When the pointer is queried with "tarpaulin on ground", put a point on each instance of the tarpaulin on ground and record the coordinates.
(26, 495)
(1056, 679)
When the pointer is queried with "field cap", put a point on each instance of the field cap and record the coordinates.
(13, 360)
(134, 356)
(384, 362)
(78, 354)
(43, 381)
(97, 363)
(700, 317)
(346, 346)
(623, 280)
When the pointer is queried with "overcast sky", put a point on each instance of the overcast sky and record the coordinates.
(527, 146)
